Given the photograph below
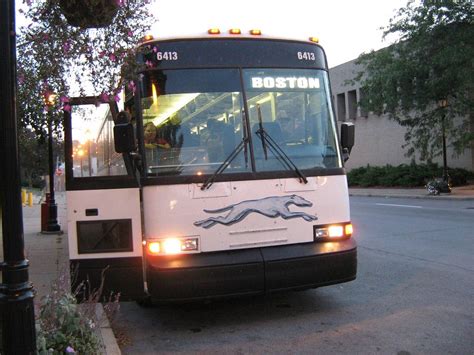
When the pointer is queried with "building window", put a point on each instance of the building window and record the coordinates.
(363, 113)
(341, 106)
(352, 104)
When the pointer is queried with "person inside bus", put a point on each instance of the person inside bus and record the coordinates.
(153, 139)
(219, 141)
(149, 135)
(285, 123)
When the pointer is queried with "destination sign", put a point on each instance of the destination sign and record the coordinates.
(279, 82)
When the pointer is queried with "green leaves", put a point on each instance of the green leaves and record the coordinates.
(432, 60)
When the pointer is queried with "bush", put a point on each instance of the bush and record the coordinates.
(404, 175)
(64, 326)
(61, 326)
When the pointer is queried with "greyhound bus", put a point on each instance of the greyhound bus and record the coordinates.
(222, 174)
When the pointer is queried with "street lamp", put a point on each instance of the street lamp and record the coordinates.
(442, 105)
(80, 152)
(52, 225)
(17, 316)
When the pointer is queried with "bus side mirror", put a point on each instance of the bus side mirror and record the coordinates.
(124, 135)
(347, 138)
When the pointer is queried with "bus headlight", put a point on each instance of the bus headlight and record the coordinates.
(171, 246)
(333, 231)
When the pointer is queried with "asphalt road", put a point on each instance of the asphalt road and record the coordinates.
(414, 295)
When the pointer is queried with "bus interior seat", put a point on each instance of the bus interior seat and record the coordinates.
(220, 141)
(273, 129)
(184, 138)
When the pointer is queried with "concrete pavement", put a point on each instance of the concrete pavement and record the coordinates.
(457, 193)
(48, 253)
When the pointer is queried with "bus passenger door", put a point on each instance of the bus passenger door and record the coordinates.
(103, 205)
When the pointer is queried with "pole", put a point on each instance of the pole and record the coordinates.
(53, 225)
(18, 334)
(443, 103)
(445, 160)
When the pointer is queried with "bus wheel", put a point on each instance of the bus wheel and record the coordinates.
(145, 302)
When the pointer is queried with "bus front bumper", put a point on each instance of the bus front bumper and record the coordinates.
(250, 271)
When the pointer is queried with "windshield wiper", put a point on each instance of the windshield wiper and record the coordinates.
(225, 164)
(276, 149)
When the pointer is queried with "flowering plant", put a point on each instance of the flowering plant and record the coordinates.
(69, 57)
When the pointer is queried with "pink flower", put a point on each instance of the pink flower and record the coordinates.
(67, 46)
(21, 79)
(64, 99)
(104, 97)
(67, 108)
(112, 57)
(132, 86)
(102, 54)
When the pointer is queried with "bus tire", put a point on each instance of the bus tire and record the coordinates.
(145, 302)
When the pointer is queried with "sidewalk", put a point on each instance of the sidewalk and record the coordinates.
(48, 258)
(457, 193)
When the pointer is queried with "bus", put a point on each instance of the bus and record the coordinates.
(222, 174)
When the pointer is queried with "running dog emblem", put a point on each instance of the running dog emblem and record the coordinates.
(269, 206)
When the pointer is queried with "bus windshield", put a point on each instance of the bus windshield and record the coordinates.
(293, 107)
(195, 119)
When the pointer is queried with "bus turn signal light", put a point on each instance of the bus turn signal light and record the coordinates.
(154, 248)
(171, 246)
(214, 31)
(314, 39)
(333, 231)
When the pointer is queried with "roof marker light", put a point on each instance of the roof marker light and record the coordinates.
(314, 39)
(214, 31)
(255, 32)
(148, 37)
(235, 31)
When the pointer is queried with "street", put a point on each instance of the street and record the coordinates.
(413, 295)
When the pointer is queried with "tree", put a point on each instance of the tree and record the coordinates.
(34, 157)
(424, 80)
(54, 56)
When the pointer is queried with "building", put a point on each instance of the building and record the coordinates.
(379, 140)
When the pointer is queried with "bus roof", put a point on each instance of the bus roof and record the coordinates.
(233, 33)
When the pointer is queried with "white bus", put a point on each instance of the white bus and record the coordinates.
(230, 179)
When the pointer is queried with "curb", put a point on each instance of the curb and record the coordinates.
(387, 195)
(108, 337)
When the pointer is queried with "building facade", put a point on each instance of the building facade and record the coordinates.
(379, 140)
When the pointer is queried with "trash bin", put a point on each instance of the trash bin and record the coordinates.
(45, 213)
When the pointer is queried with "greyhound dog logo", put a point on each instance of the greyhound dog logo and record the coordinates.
(274, 206)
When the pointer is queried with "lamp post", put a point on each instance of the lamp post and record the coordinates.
(17, 317)
(52, 225)
(80, 152)
(443, 104)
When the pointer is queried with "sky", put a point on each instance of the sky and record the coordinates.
(345, 28)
